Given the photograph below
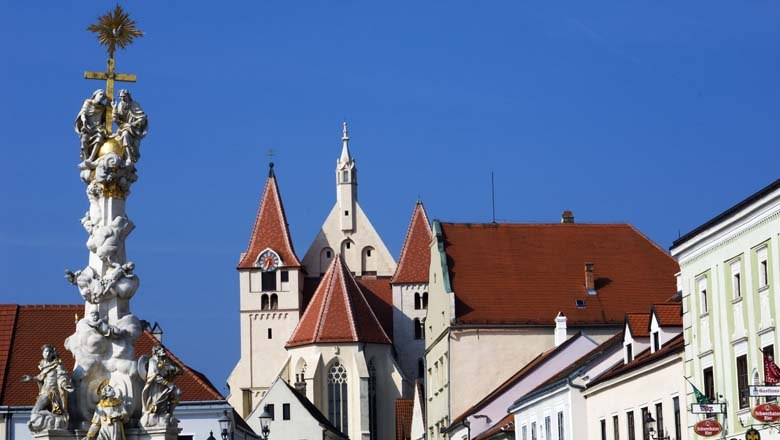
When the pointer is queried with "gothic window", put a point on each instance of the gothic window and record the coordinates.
(264, 302)
(372, 399)
(417, 301)
(274, 301)
(425, 300)
(418, 329)
(337, 396)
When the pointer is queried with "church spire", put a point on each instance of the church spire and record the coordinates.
(345, 156)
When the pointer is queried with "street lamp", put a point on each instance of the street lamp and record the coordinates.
(224, 426)
(265, 419)
(649, 422)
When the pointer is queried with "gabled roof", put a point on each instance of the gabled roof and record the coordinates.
(403, 418)
(271, 229)
(599, 352)
(414, 263)
(312, 409)
(507, 424)
(338, 312)
(503, 273)
(36, 325)
(671, 347)
(639, 324)
(668, 315)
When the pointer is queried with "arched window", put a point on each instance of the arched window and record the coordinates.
(418, 329)
(417, 301)
(274, 301)
(338, 397)
(264, 302)
(425, 300)
(372, 399)
(420, 368)
(326, 255)
(368, 261)
(300, 377)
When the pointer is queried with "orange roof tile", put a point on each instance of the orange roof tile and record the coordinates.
(338, 312)
(7, 321)
(668, 315)
(639, 324)
(43, 324)
(270, 230)
(526, 273)
(415, 260)
(403, 418)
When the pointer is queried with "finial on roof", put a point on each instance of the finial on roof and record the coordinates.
(345, 156)
(419, 200)
(270, 169)
(345, 136)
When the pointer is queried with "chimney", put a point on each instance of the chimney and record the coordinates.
(560, 329)
(567, 217)
(590, 284)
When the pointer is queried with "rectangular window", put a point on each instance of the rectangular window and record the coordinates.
(709, 383)
(547, 428)
(677, 420)
(285, 411)
(270, 409)
(656, 341)
(603, 429)
(615, 428)
(742, 381)
(269, 281)
(560, 425)
(629, 353)
(645, 426)
(524, 433)
(763, 267)
(770, 350)
(285, 276)
(246, 404)
(630, 425)
(736, 280)
(270, 334)
(702, 284)
(659, 420)
(533, 431)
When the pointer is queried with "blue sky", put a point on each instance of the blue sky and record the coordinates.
(661, 114)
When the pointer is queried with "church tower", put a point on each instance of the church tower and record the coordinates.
(347, 230)
(270, 283)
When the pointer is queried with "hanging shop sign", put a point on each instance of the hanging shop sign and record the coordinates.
(708, 408)
(752, 434)
(707, 428)
(764, 391)
(766, 412)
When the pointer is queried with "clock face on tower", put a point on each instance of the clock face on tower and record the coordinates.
(268, 261)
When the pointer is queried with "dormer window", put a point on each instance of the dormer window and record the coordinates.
(629, 353)
(656, 342)
(580, 303)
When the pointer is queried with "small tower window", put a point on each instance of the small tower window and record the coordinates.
(346, 213)
(328, 254)
(417, 301)
(420, 368)
(425, 300)
(264, 302)
(274, 301)
(285, 276)
(345, 176)
(270, 333)
(418, 329)
(268, 281)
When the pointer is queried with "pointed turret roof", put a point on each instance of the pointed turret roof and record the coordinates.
(270, 230)
(338, 312)
(413, 265)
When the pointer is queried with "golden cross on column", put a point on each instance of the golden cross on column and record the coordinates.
(110, 76)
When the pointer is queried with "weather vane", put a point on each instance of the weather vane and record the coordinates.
(113, 29)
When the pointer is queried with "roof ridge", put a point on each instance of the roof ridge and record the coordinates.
(368, 306)
(325, 303)
(347, 299)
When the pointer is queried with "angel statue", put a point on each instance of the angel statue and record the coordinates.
(89, 124)
(51, 408)
(131, 124)
(109, 417)
(160, 395)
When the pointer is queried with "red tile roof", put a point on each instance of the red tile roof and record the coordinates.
(526, 273)
(36, 325)
(673, 346)
(668, 315)
(639, 324)
(507, 424)
(270, 230)
(403, 419)
(415, 260)
(7, 322)
(338, 312)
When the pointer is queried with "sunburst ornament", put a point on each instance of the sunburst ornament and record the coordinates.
(115, 29)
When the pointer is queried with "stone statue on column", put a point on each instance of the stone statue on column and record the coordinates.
(51, 407)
